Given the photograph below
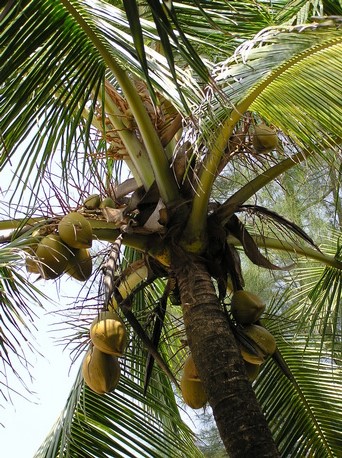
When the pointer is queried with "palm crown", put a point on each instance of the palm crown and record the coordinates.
(182, 113)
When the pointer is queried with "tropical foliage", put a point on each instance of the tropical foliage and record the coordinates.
(157, 105)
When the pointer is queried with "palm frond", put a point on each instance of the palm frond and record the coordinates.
(56, 97)
(301, 11)
(318, 301)
(18, 298)
(303, 409)
(119, 424)
(258, 66)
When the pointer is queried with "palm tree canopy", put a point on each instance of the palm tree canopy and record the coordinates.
(87, 86)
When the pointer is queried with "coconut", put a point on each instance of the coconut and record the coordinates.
(92, 202)
(191, 386)
(30, 248)
(101, 372)
(256, 358)
(80, 264)
(193, 393)
(75, 230)
(107, 202)
(264, 139)
(108, 333)
(52, 256)
(246, 307)
(263, 343)
(189, 369)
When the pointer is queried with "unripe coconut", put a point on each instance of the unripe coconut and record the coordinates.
(92, 202)
(31, 261)
(263, 342)
(108, 333)
(101, 372)
(75, 230)
(191, 386)
(252, 370)
(107, 202)
(246, 307)
(80, 264)
(264, 139)
(53, 256)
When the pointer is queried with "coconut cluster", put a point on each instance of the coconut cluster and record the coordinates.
(256, 343)
(66, 251)
(94, 202)
(101, 367)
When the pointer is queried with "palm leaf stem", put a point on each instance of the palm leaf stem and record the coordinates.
(135, 149)
(282, 245)
(166, 183)
(99, 126)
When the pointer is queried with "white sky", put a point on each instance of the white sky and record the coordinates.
(27, 422)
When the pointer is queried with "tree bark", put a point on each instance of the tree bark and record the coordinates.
(241, 424)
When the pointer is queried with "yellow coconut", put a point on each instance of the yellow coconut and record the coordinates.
(101, 372)
(193, 393)
(263, 342)
(252, 358)
(191, 386)
(80, 264)
(108, 333)
(75, 230)
(189, 369)
(246, 307)
(52, 256)
(264, 139)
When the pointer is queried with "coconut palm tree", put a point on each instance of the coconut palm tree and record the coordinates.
(150, 103)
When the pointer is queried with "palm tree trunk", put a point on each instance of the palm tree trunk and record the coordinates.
(241, 424)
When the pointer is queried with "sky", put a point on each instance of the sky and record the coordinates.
(27, 422)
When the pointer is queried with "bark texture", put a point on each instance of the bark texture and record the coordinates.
(241, 423)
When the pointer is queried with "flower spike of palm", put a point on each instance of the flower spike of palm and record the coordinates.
(189, 125)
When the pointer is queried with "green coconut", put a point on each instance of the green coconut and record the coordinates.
(52, 256)
(107, 202)
(264, 139)
(108, 333)
(246, 307)
(101, 372)
(31, 261)
(80, 264)
(92, 202)
(75, 230)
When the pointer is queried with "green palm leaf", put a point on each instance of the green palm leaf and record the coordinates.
(318, 301)
(122, 424)
(303, 410)
(18, 298)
